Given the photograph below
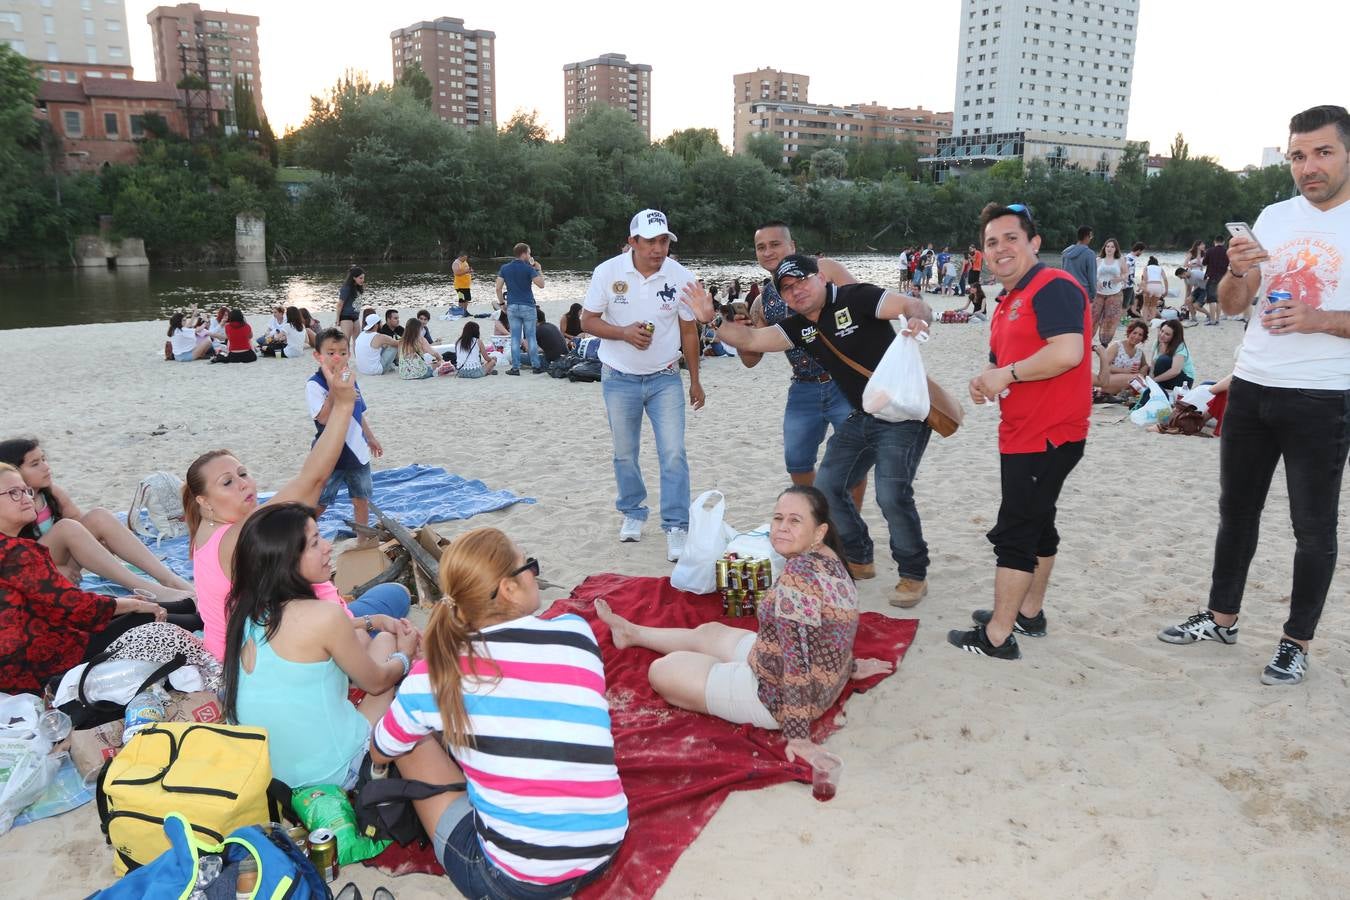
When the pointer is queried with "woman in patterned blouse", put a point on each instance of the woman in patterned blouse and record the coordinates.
(47, 625)
(790, 672)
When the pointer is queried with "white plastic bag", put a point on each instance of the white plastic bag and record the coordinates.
(1156, 404)
(898, 388)
(1199, 397)
(696, 571)
(26, 768)
(756, 545)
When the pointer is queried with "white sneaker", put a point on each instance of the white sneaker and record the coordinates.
(675, 538)
(631, 530)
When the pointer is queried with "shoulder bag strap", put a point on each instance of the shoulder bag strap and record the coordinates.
(866, 373)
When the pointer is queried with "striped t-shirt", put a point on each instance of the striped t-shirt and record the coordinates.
(546, 794)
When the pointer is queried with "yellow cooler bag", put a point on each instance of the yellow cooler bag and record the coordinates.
(218, 777)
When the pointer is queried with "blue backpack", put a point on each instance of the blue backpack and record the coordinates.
(284, 873)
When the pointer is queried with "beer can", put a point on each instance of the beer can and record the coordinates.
(749, 604)
(734, 579)
(1275, 297)
(747, 567)
(764, 575)
(723, 573)
(323, 853)
(734, 600)
(650, 326)
(299, 836)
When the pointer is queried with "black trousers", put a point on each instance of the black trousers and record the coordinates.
(1025, 528)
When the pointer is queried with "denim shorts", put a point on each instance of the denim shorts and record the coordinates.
(472, 373)
(474, 875)
(357, 482)
(186, 356)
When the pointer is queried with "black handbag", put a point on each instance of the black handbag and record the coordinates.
(384, 809)
(86, 713)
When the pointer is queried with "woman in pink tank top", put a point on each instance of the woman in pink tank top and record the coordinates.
(219, 493)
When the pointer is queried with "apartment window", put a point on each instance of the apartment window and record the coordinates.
(118, 76)
(73, 122)
(112, 24)
(48, 25)
(93, 73)
(116, 52)
(90, 53)
(110, 124)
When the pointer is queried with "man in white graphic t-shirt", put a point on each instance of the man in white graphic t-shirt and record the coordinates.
(1290, 396)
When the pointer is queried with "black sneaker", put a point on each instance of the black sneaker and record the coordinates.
(977, 642)
(1032, 627)
(512, 371)
(540, 371)
(1288, 666)
(1199, 627)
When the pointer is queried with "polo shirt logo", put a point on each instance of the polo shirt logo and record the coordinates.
(842, 319)
(668, 294)
(1014, 310)
(619, 287)
(620, 298)
(809, 333)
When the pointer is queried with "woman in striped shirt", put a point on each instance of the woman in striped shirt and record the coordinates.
(786, 675)
(520, 702)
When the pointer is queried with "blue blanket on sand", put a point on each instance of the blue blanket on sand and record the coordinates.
(415, 495)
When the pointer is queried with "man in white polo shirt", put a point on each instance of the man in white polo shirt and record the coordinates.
(634, 307)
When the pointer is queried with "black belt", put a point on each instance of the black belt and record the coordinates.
(813, 379)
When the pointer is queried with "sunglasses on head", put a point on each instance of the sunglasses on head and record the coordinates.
(531, 565)
(1021, 210)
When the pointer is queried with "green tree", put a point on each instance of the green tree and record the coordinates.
(767, 148)
(416, 80)
(828, 163)
(691, 143)
(245, 110)
(18, 89)
(524, 127)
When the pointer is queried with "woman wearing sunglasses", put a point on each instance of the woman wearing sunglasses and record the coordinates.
(47, 624)
(518, 707)
(290, 656)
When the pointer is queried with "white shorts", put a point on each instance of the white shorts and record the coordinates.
(732, 692)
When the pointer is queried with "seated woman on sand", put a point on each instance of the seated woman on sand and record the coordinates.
(47, 624)
(417, 359)
(238, 340)
(1172, 366)
(93, 540)
(289, 656)
(519, 703)
(374, 353)
(187, 343)
(786, 676)
(571, 324)
(1123, 361)
(219, 493)
(294, 335)
(469, 355)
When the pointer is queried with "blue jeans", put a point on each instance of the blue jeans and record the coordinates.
(661, 397)
(1310, 431)
(523, 320)
(357, 481)
(390, 600)
(810, 407)
(476, 876)
(895, 449)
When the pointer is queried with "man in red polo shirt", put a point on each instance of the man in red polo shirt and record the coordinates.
(1040, 374)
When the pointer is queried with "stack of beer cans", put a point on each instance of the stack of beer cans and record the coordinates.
(742, 582)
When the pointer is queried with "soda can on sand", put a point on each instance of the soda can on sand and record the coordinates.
(323, 853)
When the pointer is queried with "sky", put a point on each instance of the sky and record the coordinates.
(1207, 69)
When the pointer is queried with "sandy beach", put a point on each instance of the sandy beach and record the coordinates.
(1104, 764)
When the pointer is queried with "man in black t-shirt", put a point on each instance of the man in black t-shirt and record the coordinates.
(845, 328)
(551, 342)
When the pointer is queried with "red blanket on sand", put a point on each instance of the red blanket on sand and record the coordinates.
(677, 767)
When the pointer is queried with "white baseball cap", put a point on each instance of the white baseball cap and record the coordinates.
(372, 320)
(650, 223)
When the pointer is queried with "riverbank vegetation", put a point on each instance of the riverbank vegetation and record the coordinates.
(386, 179)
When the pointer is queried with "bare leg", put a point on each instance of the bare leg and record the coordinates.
(489, 364)
(120, 542)
(429, 762)
(681, 678)
(1034, 600)
(1010, 589)
(360, 510)
(712, 639)
(73, 548)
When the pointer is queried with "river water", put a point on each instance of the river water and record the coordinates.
(36, 299)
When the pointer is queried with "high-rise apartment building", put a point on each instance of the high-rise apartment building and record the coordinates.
(459, 62)
(776, 103)
(609, 79)
(1042, 79)
(771, 84)
(70, 39)
(220, 48)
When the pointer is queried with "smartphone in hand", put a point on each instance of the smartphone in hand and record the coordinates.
(1242, 229)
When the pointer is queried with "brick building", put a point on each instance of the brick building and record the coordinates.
(459, 62)
(101, 120)
(219, 47)
(610, 80)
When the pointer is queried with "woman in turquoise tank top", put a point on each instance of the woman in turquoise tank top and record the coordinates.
(290, 657)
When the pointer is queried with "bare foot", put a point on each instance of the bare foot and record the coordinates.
(169, 595)
(620, 629)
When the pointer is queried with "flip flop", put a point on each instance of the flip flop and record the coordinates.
(349, 892)
(382, 893)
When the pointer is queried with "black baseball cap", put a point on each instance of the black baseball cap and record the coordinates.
(798, 265)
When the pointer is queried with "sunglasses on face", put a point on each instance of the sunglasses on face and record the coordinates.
(17, 494)
(531, 566)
